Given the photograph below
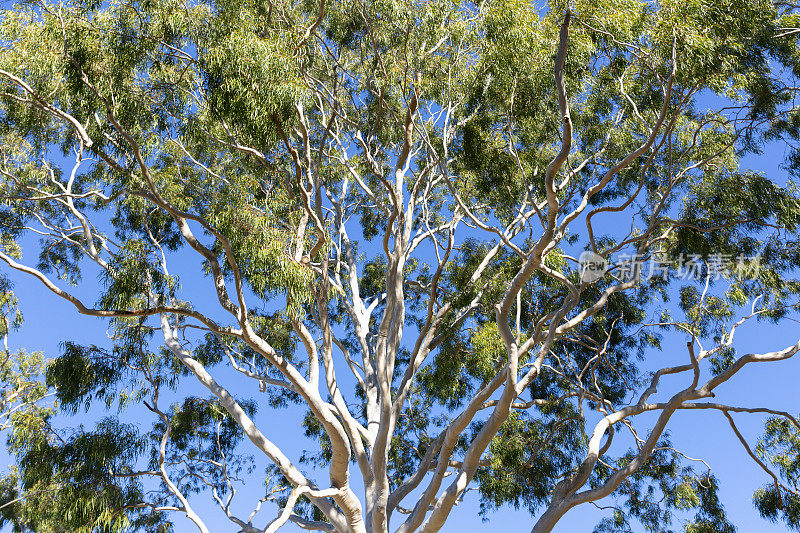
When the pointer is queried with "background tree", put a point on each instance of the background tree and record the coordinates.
(22, 395)
(388, 200)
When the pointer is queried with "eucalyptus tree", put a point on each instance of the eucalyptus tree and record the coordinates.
(22, 392)
(380, 216)
(21, 386)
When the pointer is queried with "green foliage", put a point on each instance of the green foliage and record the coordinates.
(664, 490)
(251, 75)
(780, 448)
(70, 484)
(527, 454)
(81, 376)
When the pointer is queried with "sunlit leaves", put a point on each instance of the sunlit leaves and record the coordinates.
(527, 454)
(251, 77)
(780, 447)
(71, 483)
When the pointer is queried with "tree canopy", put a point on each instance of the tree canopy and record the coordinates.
(459, 242)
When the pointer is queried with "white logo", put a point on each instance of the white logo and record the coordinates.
(593, 266)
